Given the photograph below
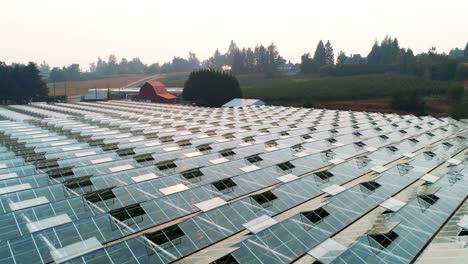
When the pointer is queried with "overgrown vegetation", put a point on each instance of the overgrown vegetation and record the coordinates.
(211, 88)
(409, 100)
(21, 84)
(458, 99)
(313, 89)
(461, 72)
(387, 56)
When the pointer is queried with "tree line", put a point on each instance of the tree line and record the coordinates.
(323, 56)
(104, 68)
(21, 84)
(260, 59)
(388, 56)
(384, 56)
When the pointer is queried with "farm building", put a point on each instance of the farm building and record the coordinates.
(95, 95)
(156, 92)
(102, 94)
(239, 102)
(135, 182)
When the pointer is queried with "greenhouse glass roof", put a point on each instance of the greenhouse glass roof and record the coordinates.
(132, 182)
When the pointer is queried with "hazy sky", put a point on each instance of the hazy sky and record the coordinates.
(64, 31)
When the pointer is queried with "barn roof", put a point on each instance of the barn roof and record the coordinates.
(155, 83)
(157, 86)
(167, 96)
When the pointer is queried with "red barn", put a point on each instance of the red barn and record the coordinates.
(156, 92)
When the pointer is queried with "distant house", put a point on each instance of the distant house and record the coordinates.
(289, 68)
(356, 59)
(238, 102)
(156, 92)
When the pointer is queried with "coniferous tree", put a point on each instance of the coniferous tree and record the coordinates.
(237, 61)
(329, 54)
(387, 53)
(261, 58)
(101, 67)
(374, 54)
(37, 89)
(123, 66)
(111, 65)
(218, 60)
(211, 88)
(342, 58)
(465, 52)
(44, 70)
(250, 60)
(320, 55)
(410, 61)
(21, 84)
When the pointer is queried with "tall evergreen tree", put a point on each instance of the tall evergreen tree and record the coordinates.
(112, 65)
(101, 67)
(250, 60)
(44, 70)
(260, 58)
(374, 55)
(273, 58)
(320, 55)
(387, 53)
(4, 83)
(37, 89)
(237, 61)
(329, 53)
(123, 66)
(342, 58)
(408, 62)
(218, 60)
(21, 84)
(231, 51)
(465, 52)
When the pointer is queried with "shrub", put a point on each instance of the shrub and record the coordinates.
(462, 72)
(455, 93)
(211, 88)
(459, 109)
(408, 100)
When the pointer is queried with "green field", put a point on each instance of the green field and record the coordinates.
(312, 88)
(359, 93)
